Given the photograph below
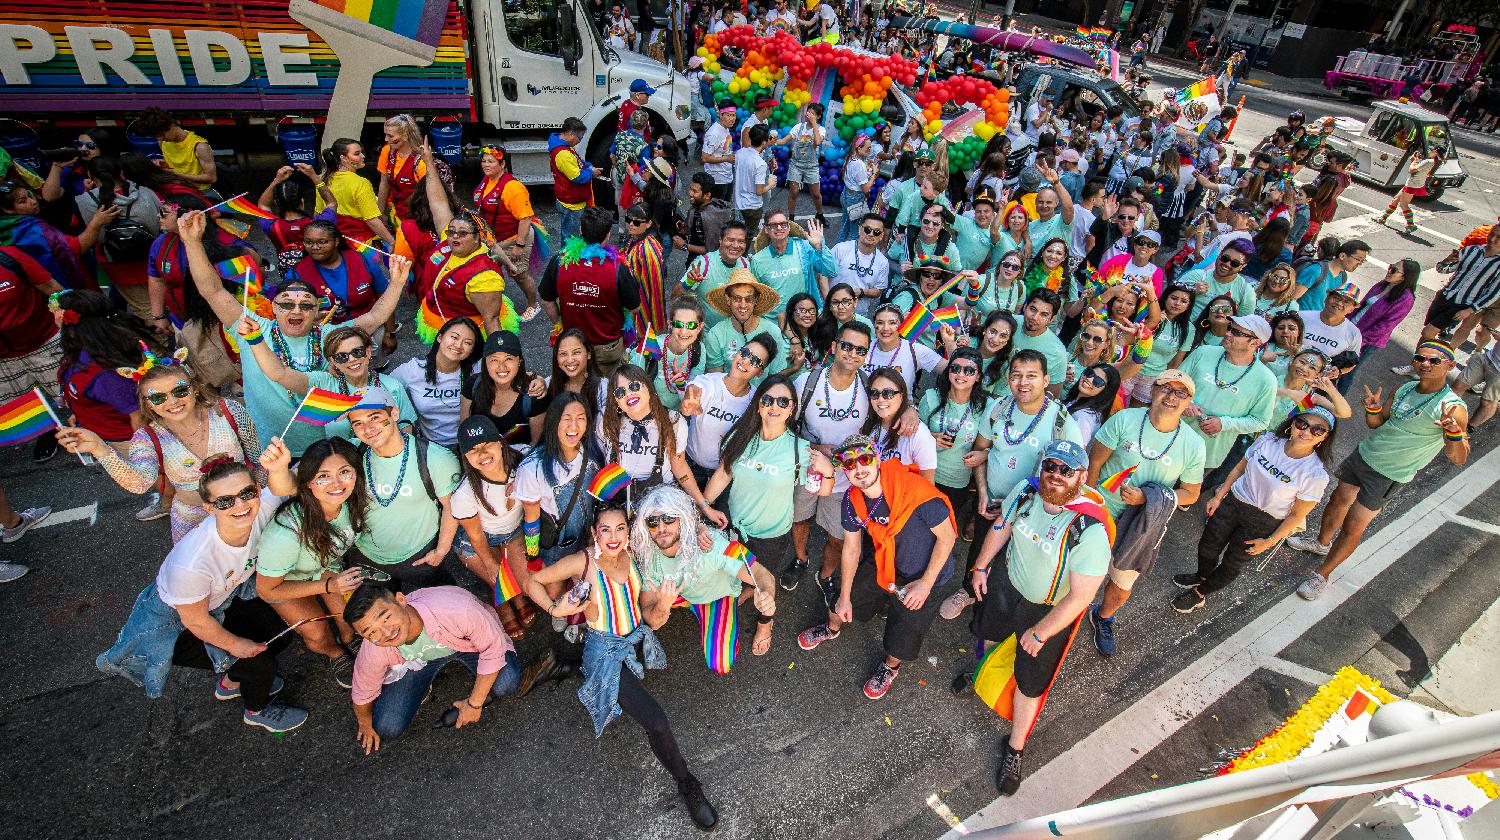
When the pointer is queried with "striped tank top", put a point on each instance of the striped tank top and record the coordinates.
(618, 604)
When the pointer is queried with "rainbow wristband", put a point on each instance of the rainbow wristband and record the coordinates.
(254, 338)
(1453, 437)
(1369, 410)
(532, 529)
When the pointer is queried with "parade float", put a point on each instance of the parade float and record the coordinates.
(1363, 76)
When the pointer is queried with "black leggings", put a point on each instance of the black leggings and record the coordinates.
(253, 620)
(638, 703)
(1225, 533)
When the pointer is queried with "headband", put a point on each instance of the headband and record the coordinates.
(55, 304)
(1319, 411)
(855, 447)
(213, 461)
(150, 360)
(495, 152)
(1442, 348)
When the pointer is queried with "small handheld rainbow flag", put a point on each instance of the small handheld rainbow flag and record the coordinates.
(362, 246)
(742, 553)
(506, 585)
(1116, 481)
(244, 270)
(320, 407)
(25, 417)
(1083, 31)
(949, 316)
(650, 344)
(608, 481)
(244, 206)
(1305, 402)
(916, 321)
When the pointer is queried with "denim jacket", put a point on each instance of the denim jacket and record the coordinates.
(603, 653)
(143, 651)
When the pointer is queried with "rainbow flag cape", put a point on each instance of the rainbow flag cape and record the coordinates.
(995, 678)
(1116, 481)
(320, 407)
(1200, 88)
(650, 344)
(506, 585)
(244, 206)
(916, 321)
(949, 316)
(25, 417)
(608, 481)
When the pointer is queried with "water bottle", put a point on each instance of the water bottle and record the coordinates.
(814, 482)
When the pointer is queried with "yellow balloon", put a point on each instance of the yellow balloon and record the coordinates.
(934, 127)
(702, 52)
(984, 131)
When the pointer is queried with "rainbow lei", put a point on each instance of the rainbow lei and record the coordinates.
(575, 250)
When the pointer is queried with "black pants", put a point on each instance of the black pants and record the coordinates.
(1217, 475)
(724, 191)
(962, 500)
(774, 553)
(406, 575)
(638, 703)
(1225, 533)
(904, 629)
(253, 620)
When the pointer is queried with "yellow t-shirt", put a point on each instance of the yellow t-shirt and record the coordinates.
(484, 281)
(356, 197)
(182, 157)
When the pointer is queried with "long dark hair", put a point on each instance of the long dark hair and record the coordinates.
(143, 172)
(303, 513)
(331, 155)
(1203, 324)
(790, 322)
(747, 428)
(420, 211)
(874, 426)
(509, 459)
(995, 370)
(1324, 449)
(111, 338)
(297, 194)
(827, 326)
(1271, 240)
(609, 427)
(550, 450)
(485, 390)
(106, 171)
(559, 382)
(977, 395)
(1183, 322)
(195, 307)
(1100, 403)
(1411, 272)
(466, 364)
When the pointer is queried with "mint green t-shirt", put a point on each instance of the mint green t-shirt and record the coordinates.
(282, 555)
(340, 427)
(966, 426)
(1238, 289)
(1036, 541)
(724, 339)
(672, 371)
(1017, 440)
(1411, 438)
(1049, 345)
(1165, 458)
(765, 476)
(408, 521)
(715, 274)
(423, 649)
(1242, 397)
(717, 573)
(1164, 348)
(271, 405)
(975, 245)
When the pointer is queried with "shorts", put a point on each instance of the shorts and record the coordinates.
(1003, 613)
(1443, 314)
(465, 548)
(1374, 488)
(904, 629)
(37, 369)
(1417, 192)
(807, 175)
(1481, 369)
(827, 510)
(1490, 316)
(1140, 387)
(1123, 578)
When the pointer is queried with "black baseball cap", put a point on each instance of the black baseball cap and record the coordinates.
(475, 430)
(503, 341)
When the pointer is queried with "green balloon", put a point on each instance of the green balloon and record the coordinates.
(847, 133)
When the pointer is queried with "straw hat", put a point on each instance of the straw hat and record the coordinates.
(661, 170)
(930, 262)
(766, 298)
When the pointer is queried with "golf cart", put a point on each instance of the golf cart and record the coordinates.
(1384, 145)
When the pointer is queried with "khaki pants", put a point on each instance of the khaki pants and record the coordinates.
(138, 299)
(608, 356)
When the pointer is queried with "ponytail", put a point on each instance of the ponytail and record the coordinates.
(333, 154)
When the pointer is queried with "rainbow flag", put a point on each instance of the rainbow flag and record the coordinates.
(650, 344)
(506, 585)
(1083, 31)
(362, 247)
(995, 678)
(719, 631)
(244, 206)
(244, 270)
(25, 417)
(1305, 402)
(740, 552)
(1116, 481)
(419, 20)
(949, 316)
(1198, 89)
(608, 481)
(320, 407)
(916, 321)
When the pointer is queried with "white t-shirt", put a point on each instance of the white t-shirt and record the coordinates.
(718, 140)
(750, 171)
(638, 457)
(856, 173)
(1033, 112)
(202, 565)
(830, 416)
(918, 449)
(1083, 220)
(507, 516)
(437, 404)
(533, 487)
(1331, 341)
(829, 17)
(909, 357)
(861, 271)
(721, 410)
(1273, 481)
(1088, 423)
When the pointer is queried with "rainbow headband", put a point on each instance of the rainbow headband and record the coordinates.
(1442, 348)
(855, 448)
(55, 304)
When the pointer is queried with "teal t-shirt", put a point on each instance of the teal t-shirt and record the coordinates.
(1049, 345)
(1411, 438)
(405, 523)
(1166, 458)
(1054, 228)
(1164, 348)
(975, 245)
(340, 427)
(271, 405)
(1242, 397)
(1238, 289)
(784, 273)
(672, 371)
(282, 555)
(966, 426)
(1017, 440)
(724, 339)
(717, 573)
(897, 253)
(760, 497)
(1033, 555)
(423, 649)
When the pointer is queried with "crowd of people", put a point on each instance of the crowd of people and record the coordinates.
(1146, 320)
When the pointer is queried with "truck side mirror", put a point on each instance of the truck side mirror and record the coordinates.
(570, 60)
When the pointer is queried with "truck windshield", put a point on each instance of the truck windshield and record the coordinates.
(541, 26)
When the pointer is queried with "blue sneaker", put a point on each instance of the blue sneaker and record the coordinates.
(1104, 631)
(277, 717)
(223, 692)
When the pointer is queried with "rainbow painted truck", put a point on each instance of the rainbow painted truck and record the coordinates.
(508, 70)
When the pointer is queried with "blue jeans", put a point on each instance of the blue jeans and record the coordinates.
(398, 702)
(570, 221)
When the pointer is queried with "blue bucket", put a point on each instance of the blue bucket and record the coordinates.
(20, 143)
(147, 146)
(299, 143)
(448, 141)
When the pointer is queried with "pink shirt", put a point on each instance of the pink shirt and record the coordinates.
(454, 619)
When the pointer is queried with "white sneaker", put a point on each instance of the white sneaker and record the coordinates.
(1309, 545)
(1404, 370)
(559, 623)
(12, 571)
(1312, 587)
(955, 604)
(29, 518)
(155, 509)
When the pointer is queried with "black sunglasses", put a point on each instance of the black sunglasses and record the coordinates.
(1058, 468)
(766, 401)
(871, 231)
(179, 391)
(748, 355)
(227, 502)
(657, 520)
(1318, 430)
(856, 349)
(356, 353)
(963, 370)
(633, 386)
(884, 393)
(1231, 263)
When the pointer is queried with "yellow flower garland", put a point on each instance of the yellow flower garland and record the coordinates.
(1296, 733)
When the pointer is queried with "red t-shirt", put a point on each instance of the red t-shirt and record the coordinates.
(25, 322)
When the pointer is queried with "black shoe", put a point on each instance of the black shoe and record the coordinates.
(45, 447)
(792, 575)
(1187, 581)
(1188, 600)
(545, 668)
(830, 590)
(1008, 773)
(699, 808)
(963, 682)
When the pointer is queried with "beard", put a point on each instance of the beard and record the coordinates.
(1057, 494)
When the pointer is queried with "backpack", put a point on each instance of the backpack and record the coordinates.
(125, 239)
(422, 470)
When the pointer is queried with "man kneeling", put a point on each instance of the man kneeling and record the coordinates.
(408, 640)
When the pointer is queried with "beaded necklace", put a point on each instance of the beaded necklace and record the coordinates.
(675, 374)
(955, 429)
(284, 352)
(400, 474)
(1419, 408)
(1218, 366)
(1140, 439)
(828, 398)
(1010, 406)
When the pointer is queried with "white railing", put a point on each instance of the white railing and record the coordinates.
(1395, 68)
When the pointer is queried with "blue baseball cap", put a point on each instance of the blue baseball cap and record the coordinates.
(374, 397)
(1066, 452)
(640, 86)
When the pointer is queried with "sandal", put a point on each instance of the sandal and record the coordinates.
(531, 312)
(762, 644)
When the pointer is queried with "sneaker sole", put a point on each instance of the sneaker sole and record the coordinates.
(1184, 585)
(875, 696)
(1198, 606)
(153, 517)
(271, 729)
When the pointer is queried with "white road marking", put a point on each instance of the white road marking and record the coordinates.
(1474, 523)
(944, 813)
(1296, 671)
(1422, 215)
(63, 517)
(1111, 749)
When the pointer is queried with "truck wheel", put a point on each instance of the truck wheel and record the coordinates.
(1433, 194)
(598, 155)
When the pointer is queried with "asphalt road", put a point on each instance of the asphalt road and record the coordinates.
(786, 745)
